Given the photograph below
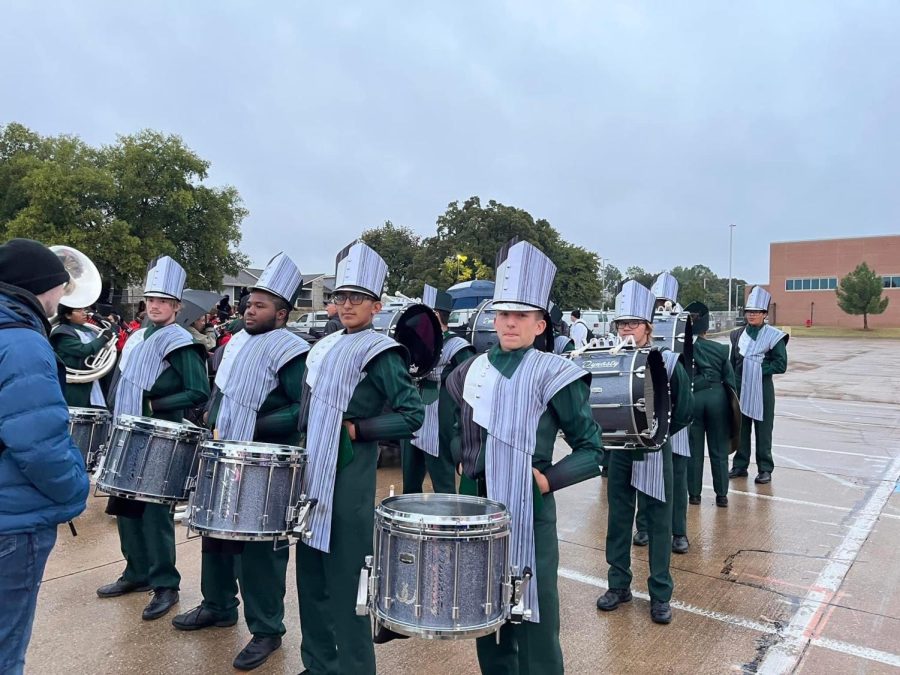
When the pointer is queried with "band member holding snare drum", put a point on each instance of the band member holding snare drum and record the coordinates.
(162, 375)
(509, 405)
(649, 481)
(351, 375)
(257, 398)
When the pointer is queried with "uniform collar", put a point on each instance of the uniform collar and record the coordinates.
(507, 361)
(753, 331)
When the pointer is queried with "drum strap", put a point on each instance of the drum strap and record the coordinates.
(326, 399)
(753, 353)
(426, 438)
(518, 403)
(96, 393)
(144, 364)
(252, 374)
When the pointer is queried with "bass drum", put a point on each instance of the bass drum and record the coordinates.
(673, 331)
(481, 332)
(629, 396)
(417, 328)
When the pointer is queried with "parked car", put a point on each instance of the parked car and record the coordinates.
(598, 322)
(311, 322)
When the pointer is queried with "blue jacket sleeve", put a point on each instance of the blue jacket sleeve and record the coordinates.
(34, 420)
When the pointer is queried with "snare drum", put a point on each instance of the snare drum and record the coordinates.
(89, 429)
(629, 396)
(246, 491)
(440, 565)
(150, 460)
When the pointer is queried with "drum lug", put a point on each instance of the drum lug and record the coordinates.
(363, 588)
(190, 483)
(518, 612)
(300, 516)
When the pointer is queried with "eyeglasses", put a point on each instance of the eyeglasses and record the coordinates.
(354, 298)
(632, 323)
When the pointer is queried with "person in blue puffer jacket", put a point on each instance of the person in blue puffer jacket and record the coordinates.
(42, 477)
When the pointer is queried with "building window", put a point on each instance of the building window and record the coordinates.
(818, 284)
(891, 281)
(832, 284)
(789, 285)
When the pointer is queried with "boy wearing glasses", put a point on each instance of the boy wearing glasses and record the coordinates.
(758, 351)
(352, 377)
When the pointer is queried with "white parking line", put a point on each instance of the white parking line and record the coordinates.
(829, 476)
(801, 502)
(784, 656)
(741, 622)
(832, 452)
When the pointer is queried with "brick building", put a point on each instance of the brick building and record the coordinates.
(803, 276)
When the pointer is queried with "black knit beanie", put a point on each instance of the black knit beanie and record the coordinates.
(30, 265)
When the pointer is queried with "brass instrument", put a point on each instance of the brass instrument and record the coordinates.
(82, 290)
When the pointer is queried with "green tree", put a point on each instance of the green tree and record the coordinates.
(860, 293)
(398, 246)
(640, 275)
(122, 204)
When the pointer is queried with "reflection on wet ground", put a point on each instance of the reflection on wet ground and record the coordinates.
(801, 575)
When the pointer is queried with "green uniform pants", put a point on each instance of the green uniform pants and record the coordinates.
(680, 465)
(530, 647)
(711, 420)
(148, 544)
(261, 573)
(763, 429)
(416, 462)
(335, 641)
(621, 499)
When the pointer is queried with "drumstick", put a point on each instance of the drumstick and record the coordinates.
(215, 434)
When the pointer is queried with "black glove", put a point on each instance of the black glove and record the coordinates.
(107, 334)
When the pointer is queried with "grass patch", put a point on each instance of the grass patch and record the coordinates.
(842, 332)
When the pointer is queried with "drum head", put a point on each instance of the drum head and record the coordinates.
(442, 509)
(163, 428)
(420, 332)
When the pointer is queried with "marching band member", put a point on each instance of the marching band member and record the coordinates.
(74, 343)
(579, 331)
(713, 387)
(257, 398)
(665, 289)
(424, 451)
(562, 343)
(509, 404)
(758, 351)
(162, 375)
(350, 376)
(649, 480)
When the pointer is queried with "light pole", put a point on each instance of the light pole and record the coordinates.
(730, 250)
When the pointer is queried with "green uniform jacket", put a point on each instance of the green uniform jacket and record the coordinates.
(774, 362)
(568, 410)
(682, 400)
(183, 385)
(73, 353)
(711, 365)
(276, 421)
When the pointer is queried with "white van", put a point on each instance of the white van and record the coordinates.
(311, 321)
(597, 321)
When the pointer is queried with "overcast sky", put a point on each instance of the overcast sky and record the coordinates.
(639, 130)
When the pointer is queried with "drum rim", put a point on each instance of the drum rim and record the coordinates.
(440, 633)
(386, 513)
(235, 448)
(139, 496)
(160, 428)
(79, 414)
(216, 533)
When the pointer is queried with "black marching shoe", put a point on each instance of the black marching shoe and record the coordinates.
(385, 634)
(737, 473)
(694, 499)
(763, 477)
(200, 617)
(121, 587)
(256, 652)
(613, 598)
(660, 611)
(163, 600)
(680, 544)
(722, 501)
(640, 538)
(604, 472)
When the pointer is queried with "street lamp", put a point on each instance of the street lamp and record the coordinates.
(730, 250)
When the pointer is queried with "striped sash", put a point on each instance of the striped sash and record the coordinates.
(753, 352)
(248, 374)
(143, 361)
(560, 344)
(515, 407)
(426, 438)
(334, 368)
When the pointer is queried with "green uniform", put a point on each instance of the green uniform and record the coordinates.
(336, 640)
(656, 516)
(148, 540)
(415, 460)
(534, 647)
(774, 363)
(712, 415)
(73, 353)
(259, 569)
